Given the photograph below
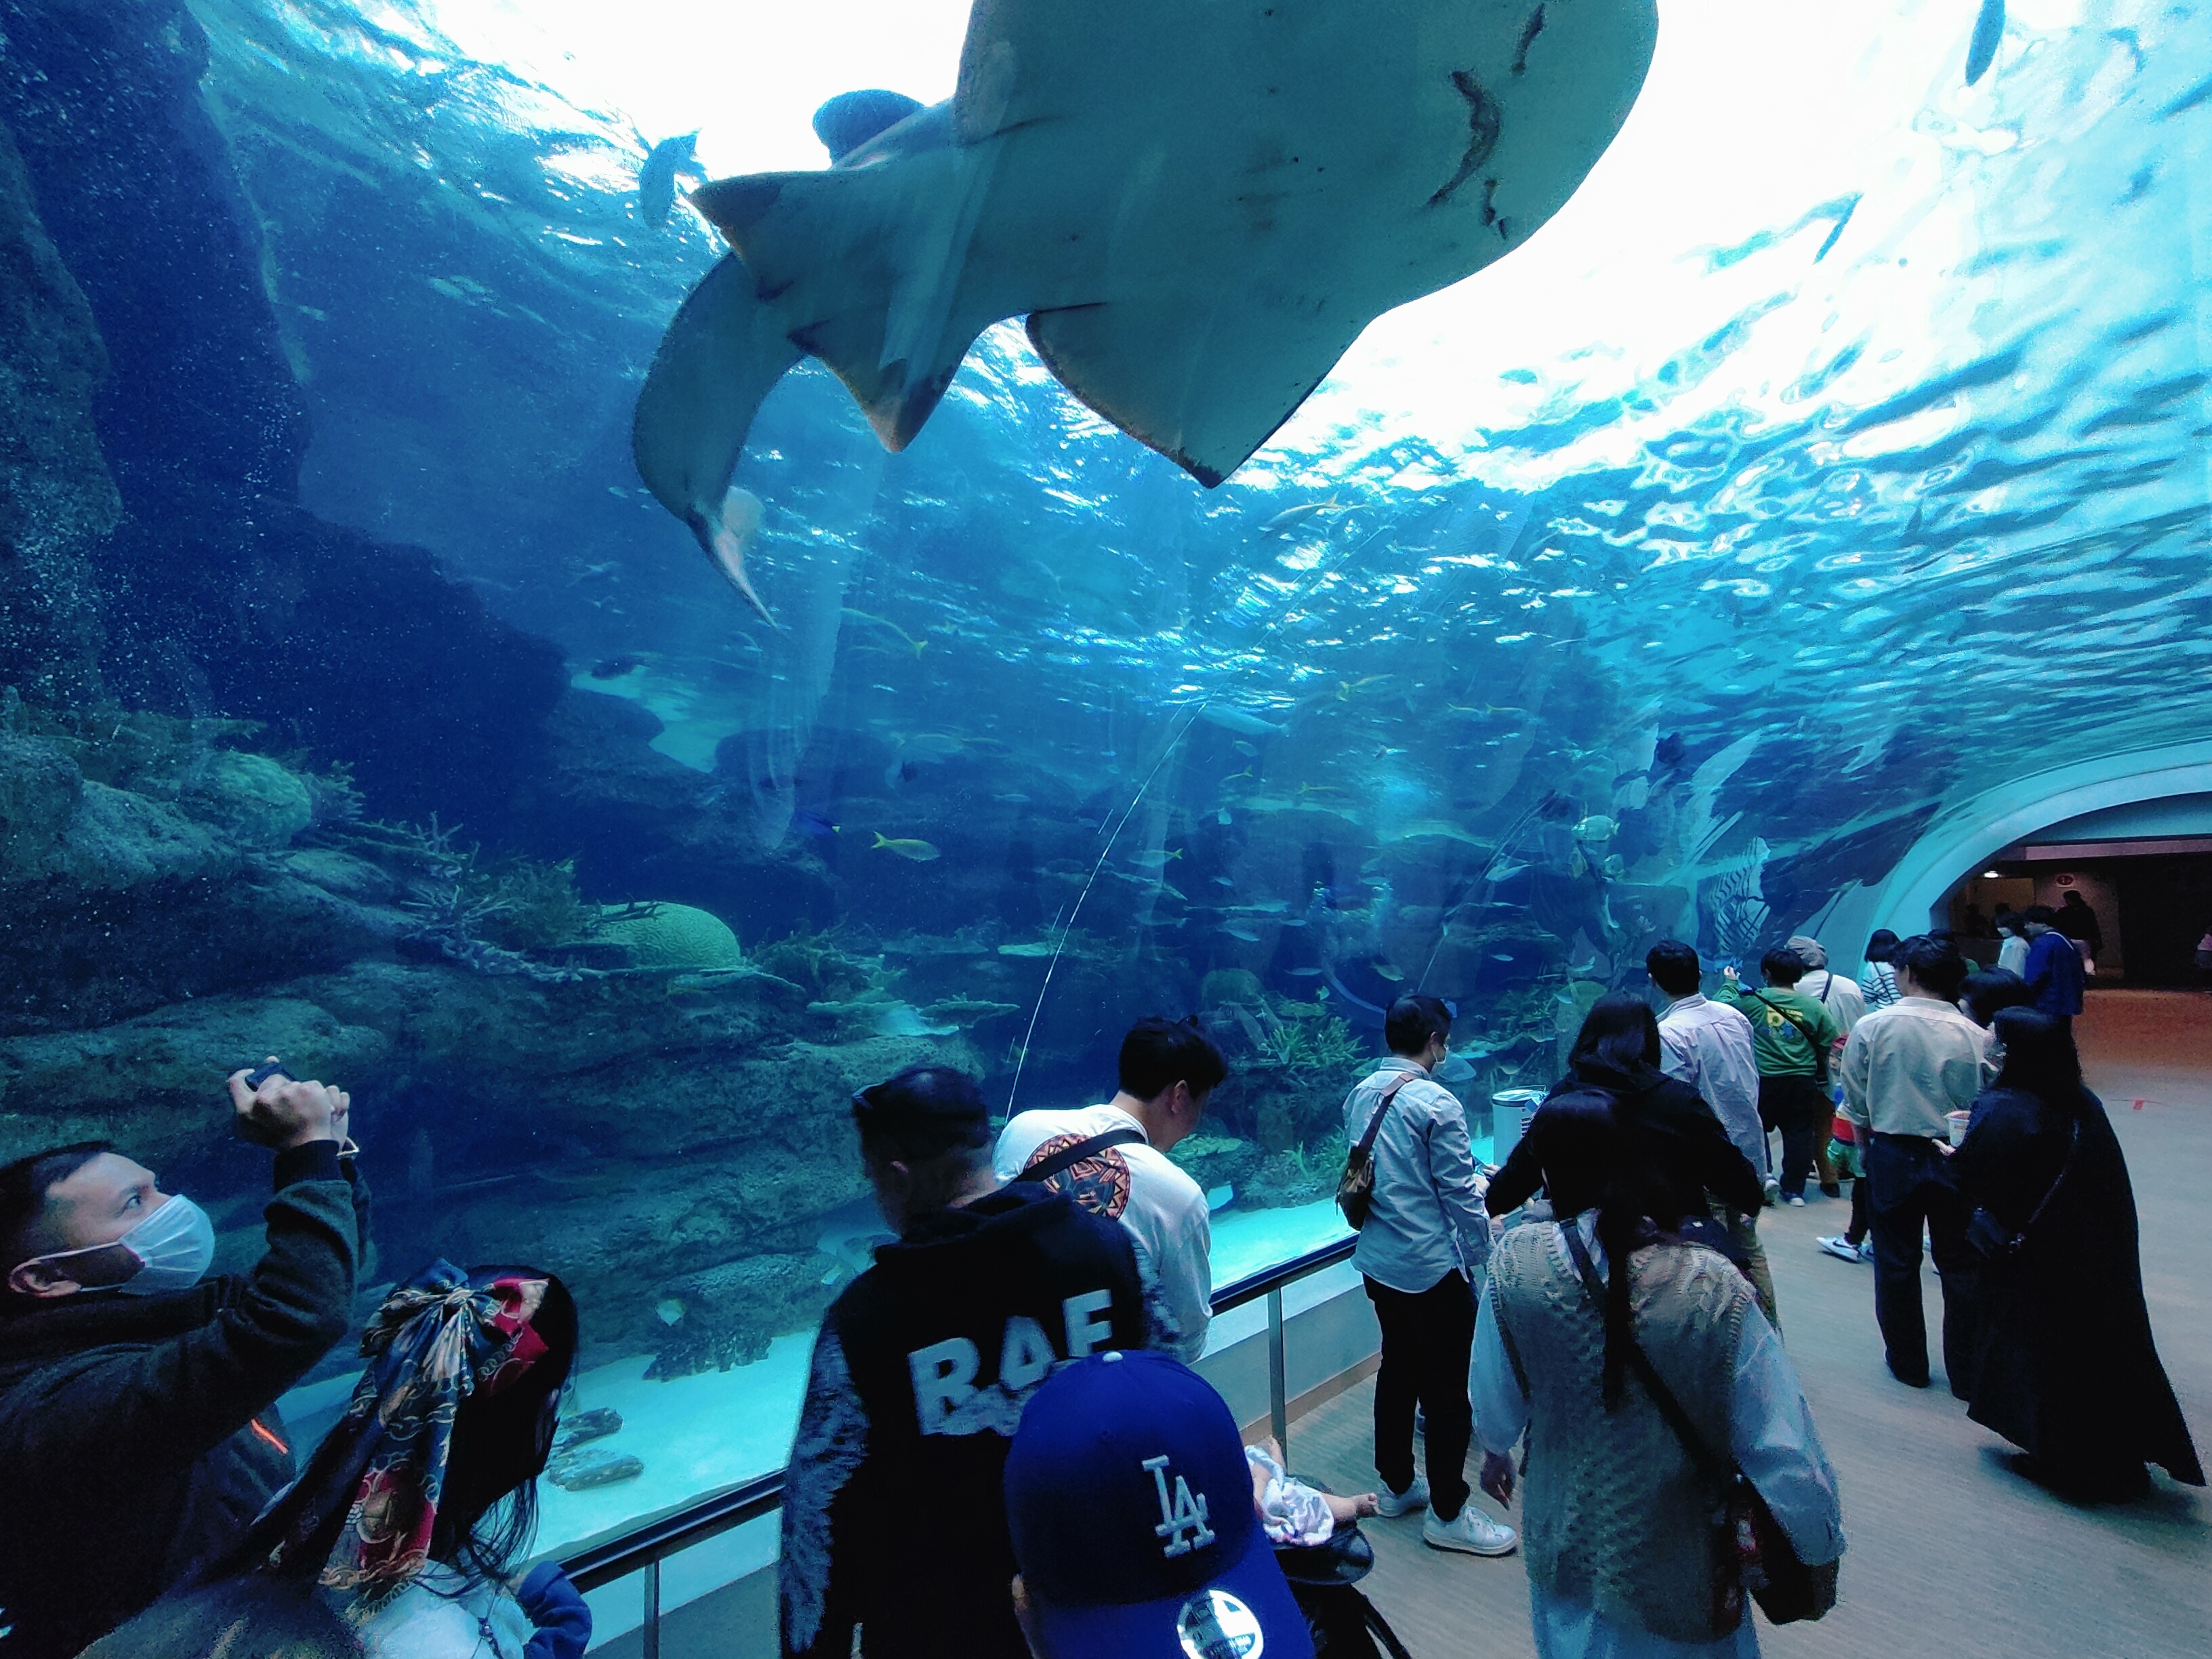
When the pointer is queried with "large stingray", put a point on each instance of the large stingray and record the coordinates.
(1197, 204)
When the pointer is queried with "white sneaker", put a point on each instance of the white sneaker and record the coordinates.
(1842, 1248)
(1392, 1505)
(1796, 1201)
(1773, 1190)
(1865, 1251)
(1473, 1533)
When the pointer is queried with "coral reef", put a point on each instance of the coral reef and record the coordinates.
(727, 1316)
(673, 938)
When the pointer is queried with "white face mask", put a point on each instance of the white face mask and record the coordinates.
(173, 1247)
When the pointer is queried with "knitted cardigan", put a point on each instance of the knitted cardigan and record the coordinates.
(1616, 1516)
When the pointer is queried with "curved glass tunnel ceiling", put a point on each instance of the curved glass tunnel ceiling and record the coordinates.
(1837, 457)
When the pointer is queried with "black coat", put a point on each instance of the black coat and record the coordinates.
(2069, 1372)
(1678, 1151)
(139, 1435)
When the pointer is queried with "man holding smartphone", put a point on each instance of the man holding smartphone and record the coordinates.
(138, 1428)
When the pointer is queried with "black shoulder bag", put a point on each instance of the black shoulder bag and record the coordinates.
(1752, 1551)
(1355, 1188)
(1991, 1240)
(1067, 1157)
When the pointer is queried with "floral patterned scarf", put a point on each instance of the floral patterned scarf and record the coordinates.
(379, 1474)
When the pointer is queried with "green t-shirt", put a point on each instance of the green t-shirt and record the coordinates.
(1778, 1042)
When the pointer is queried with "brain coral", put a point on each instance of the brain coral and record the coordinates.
(676, 936)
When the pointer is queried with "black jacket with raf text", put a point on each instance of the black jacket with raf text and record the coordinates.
(139, 1435)
(894, 1521)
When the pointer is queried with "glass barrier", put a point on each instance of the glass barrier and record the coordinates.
(602, 830)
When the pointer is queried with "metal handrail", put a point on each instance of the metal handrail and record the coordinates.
(644, 1548)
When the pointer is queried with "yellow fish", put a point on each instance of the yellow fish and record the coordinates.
(919, 646)
(919, 851)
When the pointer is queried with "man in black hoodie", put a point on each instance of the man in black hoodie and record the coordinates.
(894, 1516)
(138, 1428)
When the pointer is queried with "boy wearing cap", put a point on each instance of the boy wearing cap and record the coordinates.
(1130, 1505)
(894, 1518)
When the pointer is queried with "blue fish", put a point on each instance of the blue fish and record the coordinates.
(1982, 51)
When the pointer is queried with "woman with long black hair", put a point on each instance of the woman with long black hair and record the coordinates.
(401, 1537)
(1685, 1163)
(1580, 1317)
(2069, 1372)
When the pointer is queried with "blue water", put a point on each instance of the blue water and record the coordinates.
(1839, 452)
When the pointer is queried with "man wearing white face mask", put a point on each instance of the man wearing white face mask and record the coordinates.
(139, 1433)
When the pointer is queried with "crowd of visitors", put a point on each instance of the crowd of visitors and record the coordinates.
(1003, 1449)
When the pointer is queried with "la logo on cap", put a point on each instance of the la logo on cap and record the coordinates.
(1215, 1625)
(1180, 1513)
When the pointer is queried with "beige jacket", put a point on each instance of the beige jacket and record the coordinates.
(1909, 1063)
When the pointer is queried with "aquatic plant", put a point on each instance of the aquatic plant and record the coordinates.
(817, 964)
(1310, 1040)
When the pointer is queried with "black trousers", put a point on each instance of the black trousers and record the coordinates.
(1907, 1186)
(1801, 1109)
(1427, 1340)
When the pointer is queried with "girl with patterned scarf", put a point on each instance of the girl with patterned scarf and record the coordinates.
(400, 1539)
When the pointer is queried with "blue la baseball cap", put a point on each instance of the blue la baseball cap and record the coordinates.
(1130, 1505)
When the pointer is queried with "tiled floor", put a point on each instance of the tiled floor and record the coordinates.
(1951, 1554)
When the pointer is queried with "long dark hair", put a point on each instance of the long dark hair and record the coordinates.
(1578, 1143)
(1621, 1031)
(1880, 943)
(2040, 1058)
(501, 1444)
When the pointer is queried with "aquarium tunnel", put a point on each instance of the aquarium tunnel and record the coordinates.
(1798, 520)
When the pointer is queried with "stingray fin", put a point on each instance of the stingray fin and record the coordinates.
(825, 249)
(720, 358)
(1205, 387)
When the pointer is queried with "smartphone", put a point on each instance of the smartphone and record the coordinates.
(261, 1074)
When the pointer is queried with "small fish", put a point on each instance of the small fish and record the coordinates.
(1500, 956)
(1291, 517)
(1615, 866)
(1229, 882)
(1245, 749)
(1243, 934)
(1384, 970)
(613, 668)
(665, 162)
(1237, 720)
(1031, 949)
(1504, 869)
(1012, 800)
(1597, 829)
(808, 822)
(1156, 857)
(1305, 973)
(1223, 818)
(1247, 772)
(1988, 31)
(728, 538)
(671, 1311)
(918, 646)
(920, 852)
